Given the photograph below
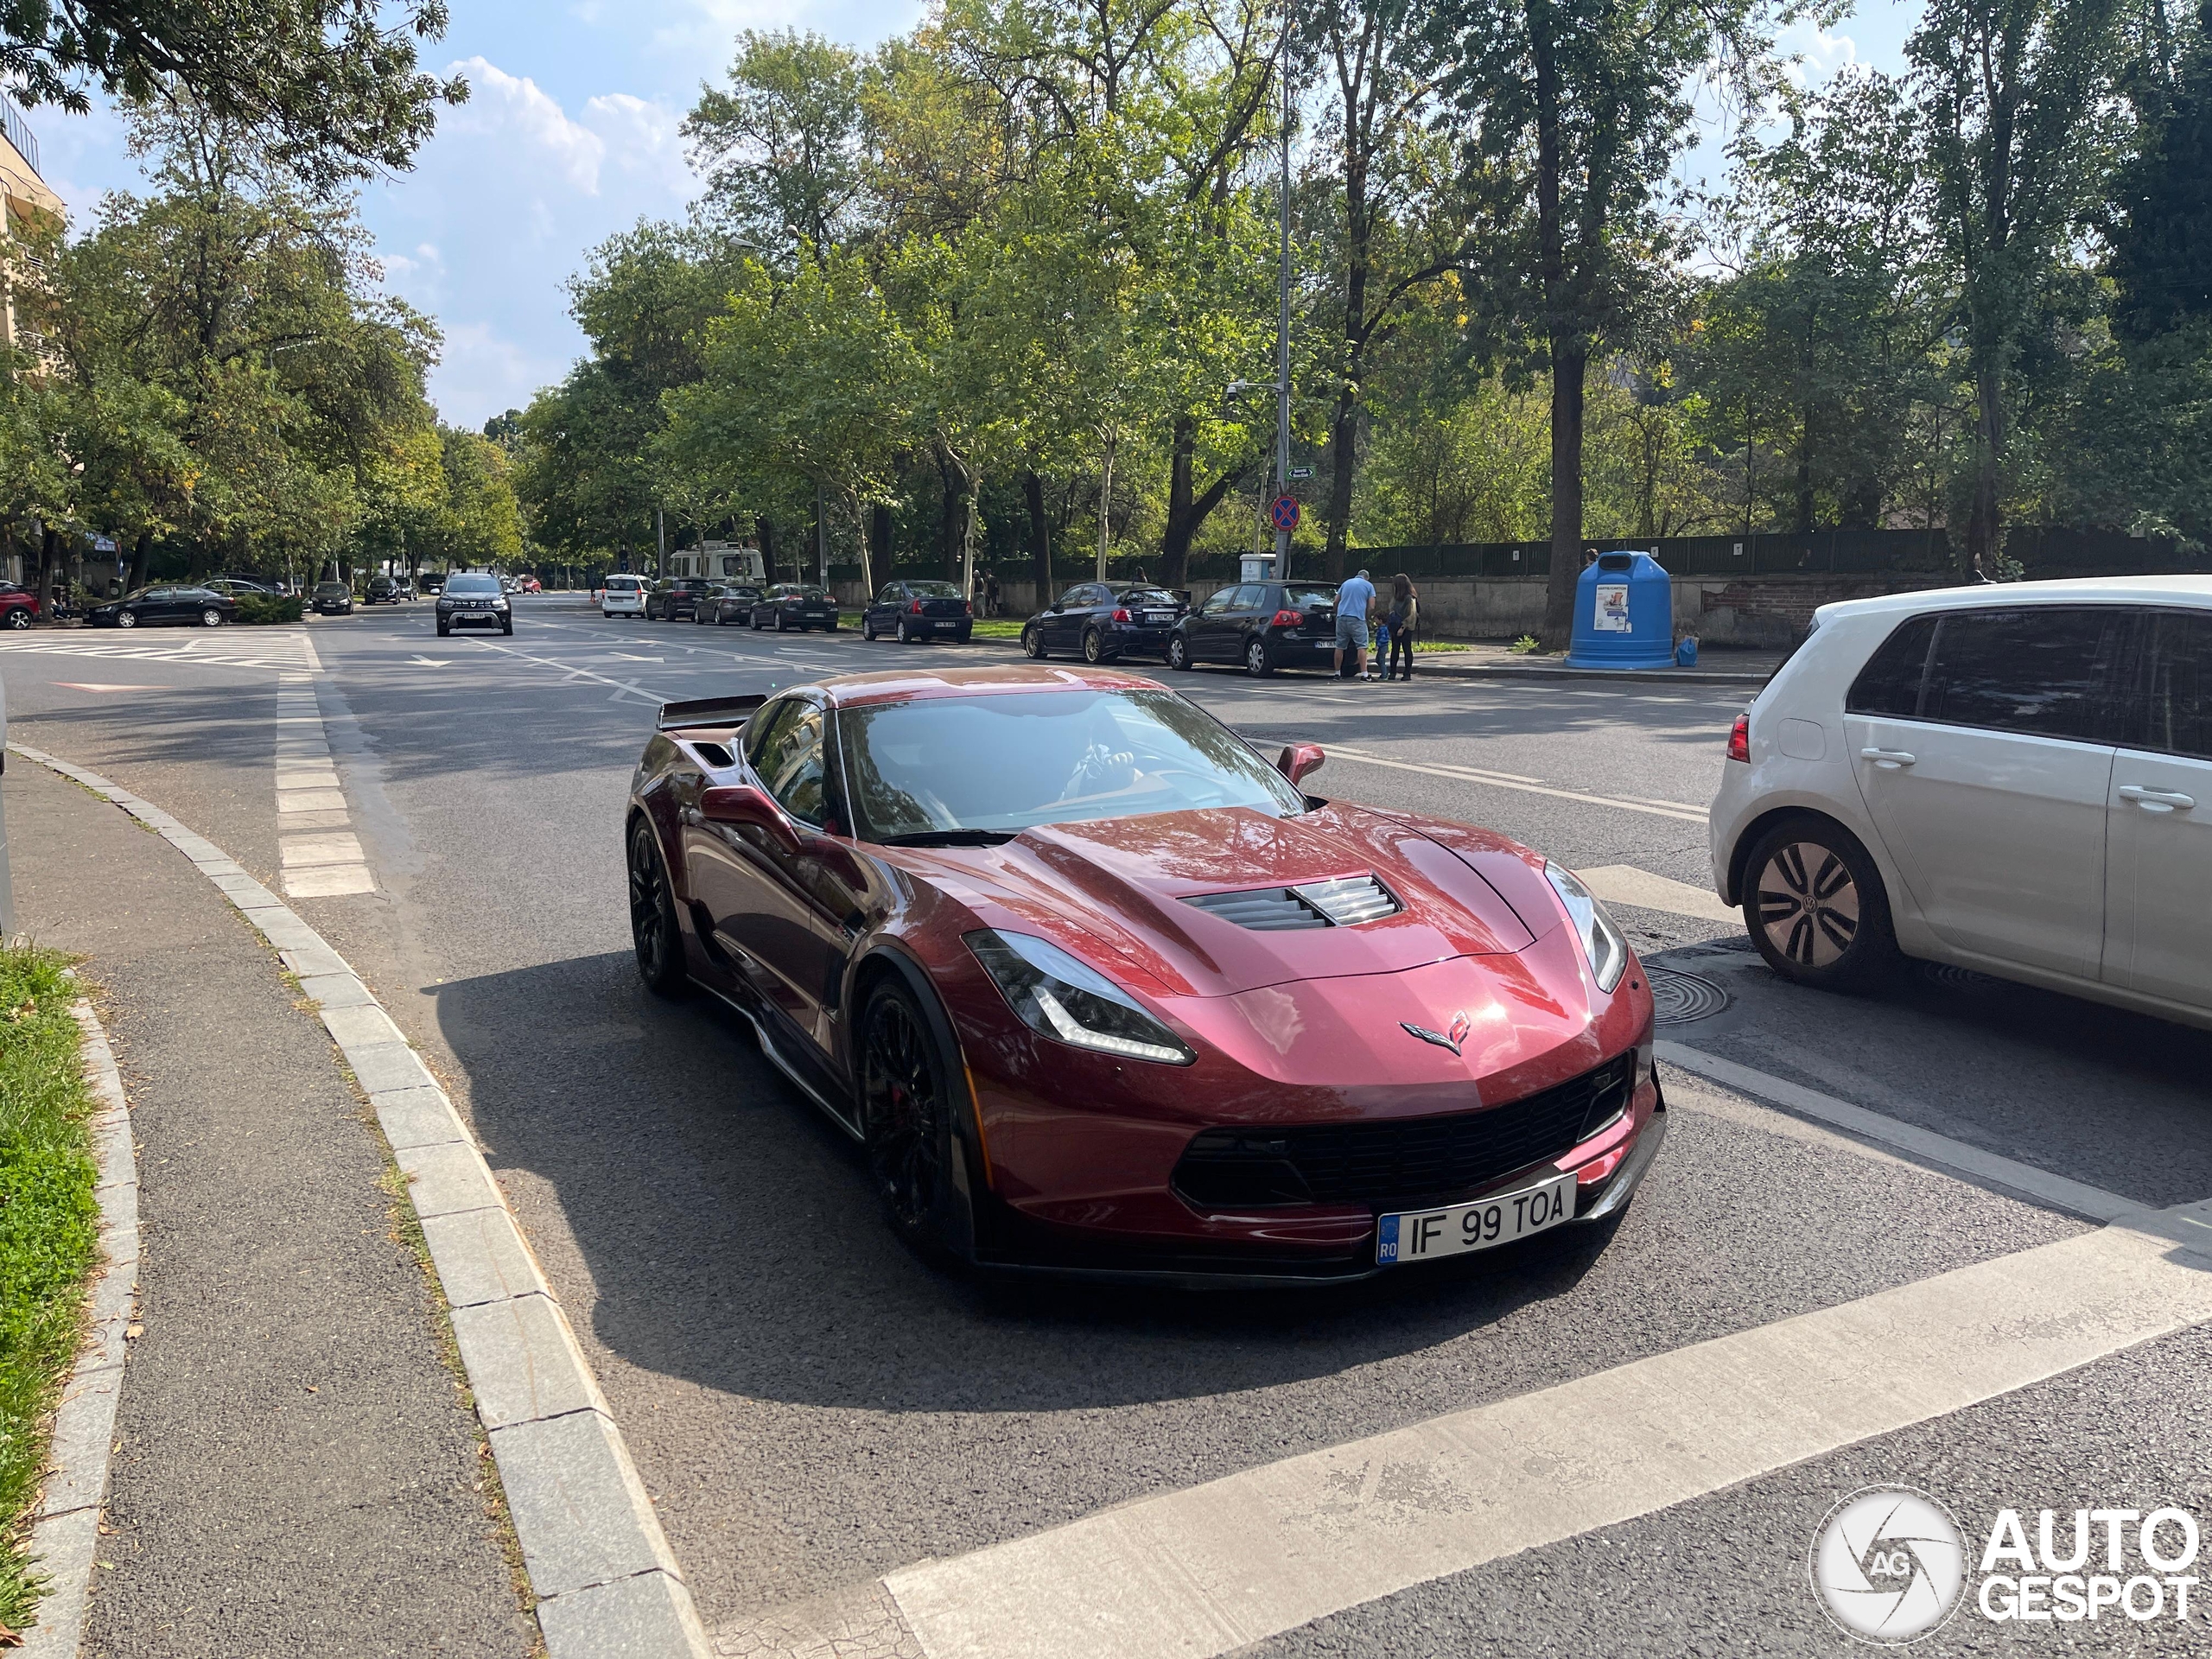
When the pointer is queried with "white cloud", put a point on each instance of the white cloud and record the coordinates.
(483, 371)
(509, 109)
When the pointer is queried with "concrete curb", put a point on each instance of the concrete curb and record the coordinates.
(66, 1531)
(606, 1580)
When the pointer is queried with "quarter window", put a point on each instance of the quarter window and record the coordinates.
(1219, 601)
(1890, 683)
(2042, 671)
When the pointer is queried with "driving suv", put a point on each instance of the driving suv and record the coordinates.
(474, 599)
(333, 598)
(2016, 780)
(623, 596)
(384, 590)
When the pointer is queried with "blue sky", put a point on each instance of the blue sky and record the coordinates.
(571, 135)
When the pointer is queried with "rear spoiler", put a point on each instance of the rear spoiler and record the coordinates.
(707, 711)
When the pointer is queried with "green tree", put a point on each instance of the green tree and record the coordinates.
(780, 146)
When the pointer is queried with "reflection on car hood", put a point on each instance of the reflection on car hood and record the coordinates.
(1116, 890)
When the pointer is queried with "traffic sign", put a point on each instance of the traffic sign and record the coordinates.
(1285, 512)
(1301, 472)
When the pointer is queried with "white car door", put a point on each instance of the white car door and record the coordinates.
(1991, 796)
(2158, 862)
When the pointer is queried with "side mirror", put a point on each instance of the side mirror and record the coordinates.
(743, 807)
(1295, 762)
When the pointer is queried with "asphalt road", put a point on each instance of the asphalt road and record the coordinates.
(811, 1409)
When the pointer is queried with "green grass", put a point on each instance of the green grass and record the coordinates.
(49, 1240)
(998, 627)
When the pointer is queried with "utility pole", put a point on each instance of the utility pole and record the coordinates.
(821, 534)
(1282, 317)
(660, 543)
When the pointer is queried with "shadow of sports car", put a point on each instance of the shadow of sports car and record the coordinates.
(1099, 989)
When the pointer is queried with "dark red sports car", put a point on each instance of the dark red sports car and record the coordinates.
(1098, 988)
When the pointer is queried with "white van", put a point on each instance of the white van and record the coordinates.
(623, 596)
(2015, 779)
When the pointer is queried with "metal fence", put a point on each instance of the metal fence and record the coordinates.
(19, 132)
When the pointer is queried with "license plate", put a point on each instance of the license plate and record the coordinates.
(1158, 618)
(944, 625)
(1424, 1235)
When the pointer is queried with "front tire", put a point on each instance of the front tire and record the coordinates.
(867, 630)
(1257, 663)
(126, 618)
(1815, 906)
(1178, 654)
(907, 1110)
(653, 932)
(445, 629)
(1032, 645)
(19, 616)
(507, 626)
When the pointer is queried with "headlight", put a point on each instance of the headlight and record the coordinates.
(1058, 997)
(1602, 942)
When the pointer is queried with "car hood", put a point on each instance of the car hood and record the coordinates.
(1116, 893)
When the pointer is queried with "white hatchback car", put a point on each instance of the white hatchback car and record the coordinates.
(623, 596)
(2016, 780)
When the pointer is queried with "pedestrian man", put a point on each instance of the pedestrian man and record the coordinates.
(1355, 598)
(990, 596)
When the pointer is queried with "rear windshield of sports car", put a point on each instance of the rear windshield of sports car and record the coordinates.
(462, 586)
(937, 768)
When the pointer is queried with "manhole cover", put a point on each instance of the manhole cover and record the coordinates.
(1679, 998)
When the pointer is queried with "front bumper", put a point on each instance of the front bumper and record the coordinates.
(489, 619)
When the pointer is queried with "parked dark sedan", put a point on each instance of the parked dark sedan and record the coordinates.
(919, 610)
(796, 605)
(150, 606)
(675, 596)
(1104, 620)
(1263, 625)
(726, 602)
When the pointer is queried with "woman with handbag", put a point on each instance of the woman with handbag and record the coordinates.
(1405, 619)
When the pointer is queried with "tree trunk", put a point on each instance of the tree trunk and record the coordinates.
(49, 566)
(1805, 480)
(767, 532)
(1984, 530)
(1041, 536)
(880, 533)
(1570, 362)
(1105, 505)
(948, 521)
(1343, 436)
(140, 552)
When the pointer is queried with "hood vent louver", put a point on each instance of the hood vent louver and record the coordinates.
(1345, 902)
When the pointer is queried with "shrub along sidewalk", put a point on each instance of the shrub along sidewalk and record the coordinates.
(48, 1235)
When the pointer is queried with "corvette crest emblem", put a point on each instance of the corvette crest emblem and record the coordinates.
(1452, 1039)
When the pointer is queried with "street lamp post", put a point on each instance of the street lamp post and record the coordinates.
(1282, 316)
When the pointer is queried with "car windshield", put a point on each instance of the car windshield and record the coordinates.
(932, 590)
(328, 589)
(940, 768)
(473, 585)
(812, 592)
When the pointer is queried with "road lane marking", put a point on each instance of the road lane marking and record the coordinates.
(325, 864)
(1624, 883)
(94, 685)
(1205, 1571)
(1923, 1146)
(625, 687)
(1678, 811)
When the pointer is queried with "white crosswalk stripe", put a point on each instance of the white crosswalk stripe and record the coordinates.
(282, 650)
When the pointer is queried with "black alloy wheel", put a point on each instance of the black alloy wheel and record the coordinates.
(1256, 662)
(1178, 654)
(19, 616)
(1032, 644)
(1815, 906)
(652, 914)
(906, 1115)
(1094, 646)
(211, 617)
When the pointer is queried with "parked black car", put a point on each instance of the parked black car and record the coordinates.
(796, 605)
(725, 602)
(1103, 620)
(919, 610)
(431, 583)
(675, 596)
(1264, 625)
(474, 599)
(333, 598)
(174, 603)
(384, 590)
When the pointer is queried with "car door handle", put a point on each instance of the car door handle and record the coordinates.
(2157, 800)
(1887, 759)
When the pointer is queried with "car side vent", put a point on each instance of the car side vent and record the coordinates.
(1345, 902)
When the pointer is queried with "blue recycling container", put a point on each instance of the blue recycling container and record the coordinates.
(1623, 614)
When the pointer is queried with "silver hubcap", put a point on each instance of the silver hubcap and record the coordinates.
(1809, 905)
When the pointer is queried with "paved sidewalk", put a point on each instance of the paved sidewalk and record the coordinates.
(298, 1470)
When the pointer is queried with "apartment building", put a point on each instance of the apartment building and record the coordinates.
(30, 204)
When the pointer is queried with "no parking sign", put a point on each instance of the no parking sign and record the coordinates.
(1284, 513)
